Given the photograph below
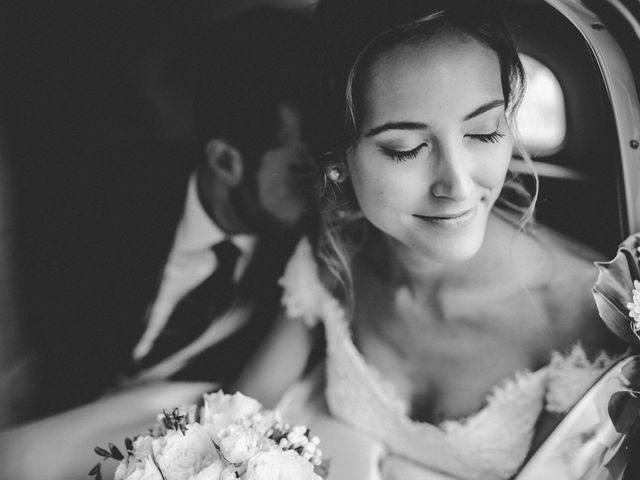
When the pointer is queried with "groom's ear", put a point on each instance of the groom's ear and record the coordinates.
(224, 161)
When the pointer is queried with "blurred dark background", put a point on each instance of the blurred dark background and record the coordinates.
(97, 133)
(96, 141)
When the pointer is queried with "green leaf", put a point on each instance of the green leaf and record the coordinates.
(102, 452)
(623, 411)
(128, 443)
(617, 321)
(615, 281)
(631, 374)
(166, 420)
(613, 289)
(95, 469)
(115, 452)
(630, 249)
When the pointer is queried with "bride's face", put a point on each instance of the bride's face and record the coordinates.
(433, 145)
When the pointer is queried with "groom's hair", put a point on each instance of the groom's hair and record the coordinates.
(249, 66)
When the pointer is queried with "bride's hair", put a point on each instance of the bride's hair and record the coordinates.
(352, 34)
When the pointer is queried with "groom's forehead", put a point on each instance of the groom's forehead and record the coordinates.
(289, 124)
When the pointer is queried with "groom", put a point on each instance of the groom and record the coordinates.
(244, 208)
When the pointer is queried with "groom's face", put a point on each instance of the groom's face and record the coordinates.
(276, 195)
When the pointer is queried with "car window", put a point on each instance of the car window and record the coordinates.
(541, 118)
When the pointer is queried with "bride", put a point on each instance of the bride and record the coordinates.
(456, 330)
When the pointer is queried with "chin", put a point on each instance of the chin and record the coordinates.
(464, 253)
(454, 255)
(450, 249)
(455, 244)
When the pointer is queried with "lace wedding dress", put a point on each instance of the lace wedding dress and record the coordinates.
(368, 432)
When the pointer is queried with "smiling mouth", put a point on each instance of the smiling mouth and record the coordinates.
(453, 219)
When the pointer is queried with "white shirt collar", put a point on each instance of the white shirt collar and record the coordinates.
(245, 242)
(196, 231)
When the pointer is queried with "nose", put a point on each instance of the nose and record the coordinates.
(451, 173)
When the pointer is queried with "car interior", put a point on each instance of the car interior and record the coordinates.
(583, 197)
(84, 124)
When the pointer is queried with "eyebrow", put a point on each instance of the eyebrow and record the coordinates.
(421, 126)
(396, 126)
(484, 108)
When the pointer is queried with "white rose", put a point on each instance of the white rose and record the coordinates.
(190, 411)
(239, 443)
(142, 447)
(276, 464)
(214, 471)
(229, 473)
(121, 471)
(221, 410)
(181, 457)
(134, 466)
(138, 470)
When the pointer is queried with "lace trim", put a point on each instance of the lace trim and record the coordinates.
(304, 295)
(571, 375)
(493, 442)
(383, 388)
(498, 435)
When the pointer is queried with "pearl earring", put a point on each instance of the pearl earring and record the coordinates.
(334, 174)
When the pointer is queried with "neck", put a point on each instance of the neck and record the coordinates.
(418, 271)
(215, 198)
(411, 267)
(396, 264)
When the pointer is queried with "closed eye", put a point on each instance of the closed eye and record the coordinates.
(493, 137)
(402, 155)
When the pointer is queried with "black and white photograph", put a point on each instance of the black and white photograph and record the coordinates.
(320, 240)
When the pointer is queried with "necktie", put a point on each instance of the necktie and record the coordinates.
(195, 311)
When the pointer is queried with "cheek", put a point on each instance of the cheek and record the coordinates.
(277, 192)
(268, 178)
(380, 186)
(494, 166)
(366, 183)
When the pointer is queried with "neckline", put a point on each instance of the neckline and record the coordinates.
(386, 392)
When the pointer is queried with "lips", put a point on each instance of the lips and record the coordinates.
(449, 219)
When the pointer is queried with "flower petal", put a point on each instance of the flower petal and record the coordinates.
(629, 248)
(615, 280)
(615, 319)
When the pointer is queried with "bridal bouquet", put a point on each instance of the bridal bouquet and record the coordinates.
(617, 291)
(229, 437)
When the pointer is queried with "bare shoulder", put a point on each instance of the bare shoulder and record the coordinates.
(559, 274)
(567, 296)
(541, 257)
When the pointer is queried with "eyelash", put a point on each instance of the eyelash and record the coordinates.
(488, 137)
(404, 155)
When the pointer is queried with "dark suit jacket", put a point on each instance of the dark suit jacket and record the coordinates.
(258, 286)
(100, 182)
(96, 254)
(94, 227)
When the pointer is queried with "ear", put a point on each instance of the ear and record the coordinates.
(224, 161)
(337, 172)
